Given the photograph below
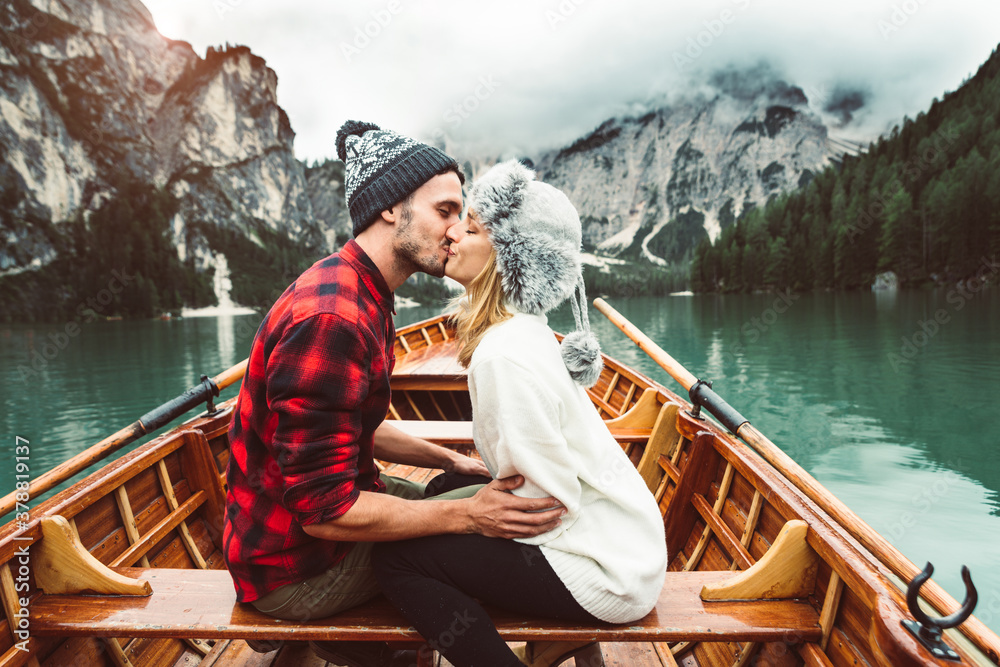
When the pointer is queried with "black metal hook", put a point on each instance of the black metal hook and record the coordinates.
(929, 630)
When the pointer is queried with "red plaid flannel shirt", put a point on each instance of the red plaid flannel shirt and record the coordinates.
(315, 390)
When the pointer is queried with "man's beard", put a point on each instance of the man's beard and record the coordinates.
(409, 257)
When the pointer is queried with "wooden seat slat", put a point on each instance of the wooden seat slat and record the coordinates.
(456, 433)
(202, 603)
(440, 359)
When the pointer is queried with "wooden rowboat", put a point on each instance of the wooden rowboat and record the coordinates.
(141, 522)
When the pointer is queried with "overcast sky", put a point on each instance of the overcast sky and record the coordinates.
(520, 76)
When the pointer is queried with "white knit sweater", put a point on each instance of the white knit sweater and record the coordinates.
(530, 418)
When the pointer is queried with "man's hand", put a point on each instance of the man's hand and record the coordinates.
(496, 513)
(466, 465)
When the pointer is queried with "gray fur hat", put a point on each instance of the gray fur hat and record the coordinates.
(537, 234)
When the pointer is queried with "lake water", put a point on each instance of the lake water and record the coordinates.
(886, 398)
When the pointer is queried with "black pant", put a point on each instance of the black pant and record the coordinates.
(436, 582)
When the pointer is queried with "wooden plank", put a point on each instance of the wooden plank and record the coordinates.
(11, 601)
(182, 528)
(735, 550)
(830, 606)
(611, 387)
(199, 470)
(679, 520)
(202, 603)
(454, 433)
(437, 406)
(131, 528)
(437, 360)
(699, 549)
(662, 440)
(664, 654)
(212, 656)
(430, 383)
(413, 406)
(116, 653)
(814, 656)
(140, 548)
(628, 399)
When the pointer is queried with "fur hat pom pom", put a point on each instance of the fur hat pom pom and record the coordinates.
(582, 355)
(351, 127)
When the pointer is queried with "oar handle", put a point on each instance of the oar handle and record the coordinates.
(645, 343)
(232, 375)
(111, 444)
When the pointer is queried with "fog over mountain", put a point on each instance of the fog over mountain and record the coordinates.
(556, 69)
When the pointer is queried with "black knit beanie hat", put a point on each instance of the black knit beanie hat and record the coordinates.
(383, 168)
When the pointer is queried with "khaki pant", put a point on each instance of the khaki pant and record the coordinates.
(351, 581)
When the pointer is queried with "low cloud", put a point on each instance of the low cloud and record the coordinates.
(561, 67)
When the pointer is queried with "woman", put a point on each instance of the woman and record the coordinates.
(517, 254)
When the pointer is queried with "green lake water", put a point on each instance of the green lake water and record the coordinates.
(888, 399)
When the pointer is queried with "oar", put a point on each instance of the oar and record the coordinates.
(887, 554)
(148, 423)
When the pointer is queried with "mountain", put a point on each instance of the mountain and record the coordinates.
(653, 186)
(94, 102)
(922, 203)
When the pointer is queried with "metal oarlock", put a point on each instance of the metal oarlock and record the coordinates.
(702, 395)
(929, 630)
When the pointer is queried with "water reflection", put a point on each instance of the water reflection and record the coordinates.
(226, 328)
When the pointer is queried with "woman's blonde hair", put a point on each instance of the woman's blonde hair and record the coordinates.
(481, 307)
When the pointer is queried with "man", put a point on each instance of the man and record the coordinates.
(306, 500)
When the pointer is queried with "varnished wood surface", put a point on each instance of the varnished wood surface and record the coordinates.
(455, 433)
(202, 603)
(437, 360)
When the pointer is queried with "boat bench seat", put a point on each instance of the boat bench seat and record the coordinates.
(200, 604)
(766, 602)
(453, 434)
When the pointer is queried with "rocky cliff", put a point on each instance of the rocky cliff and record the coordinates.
(653, 186)
(89, 89)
